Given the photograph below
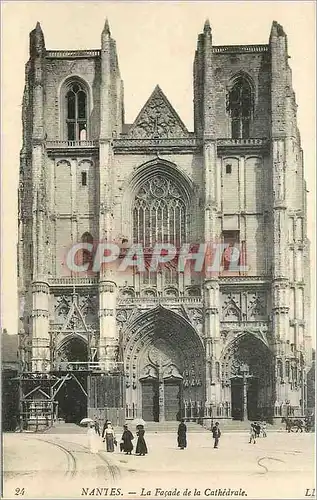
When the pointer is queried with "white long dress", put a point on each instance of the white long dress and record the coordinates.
(109, 439)
(93, 440)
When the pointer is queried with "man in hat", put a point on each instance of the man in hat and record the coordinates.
(216, 433)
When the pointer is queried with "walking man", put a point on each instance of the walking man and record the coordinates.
(252, 433)
(181, 435)
(216, 433)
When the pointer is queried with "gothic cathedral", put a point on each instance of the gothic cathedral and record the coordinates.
(162, 344)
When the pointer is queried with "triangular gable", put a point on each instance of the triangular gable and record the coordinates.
(75, 320)
(157, 119)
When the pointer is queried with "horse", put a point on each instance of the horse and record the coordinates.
(291, 423)
(309, 423)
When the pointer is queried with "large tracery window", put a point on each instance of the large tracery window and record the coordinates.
(76, 112)
(159, 214)
(240, 108)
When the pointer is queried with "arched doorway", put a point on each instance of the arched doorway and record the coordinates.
(72, 395)
(164, 366)
(248, 373)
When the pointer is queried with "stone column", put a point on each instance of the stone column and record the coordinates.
(212, 334)
(161, 395)
(40, 327)
(280, 283)
(108, 345)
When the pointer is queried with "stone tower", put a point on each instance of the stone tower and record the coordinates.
(232, 343)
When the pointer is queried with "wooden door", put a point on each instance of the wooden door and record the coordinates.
(172, 400)
(150, 401)
(237, 398)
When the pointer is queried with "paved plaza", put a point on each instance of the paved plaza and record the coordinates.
(61, 466)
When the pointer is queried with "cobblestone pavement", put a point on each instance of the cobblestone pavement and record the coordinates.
(61, 466)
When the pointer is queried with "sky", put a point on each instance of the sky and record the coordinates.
(156, 42)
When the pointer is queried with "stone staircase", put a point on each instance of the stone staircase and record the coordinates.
(172, 426)
(152, 427)
(165, 427)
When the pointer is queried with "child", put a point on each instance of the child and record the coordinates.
(252, 434)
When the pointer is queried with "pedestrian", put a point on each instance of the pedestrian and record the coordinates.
(216, 433)
(97, 427)
(141, 448)
(181, 435)
(263, 427)
(252, 433)
(257, 428)
(126, 444)
(93, 439)
(104, 428)
(109, 438)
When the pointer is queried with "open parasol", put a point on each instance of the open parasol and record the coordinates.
(138, 421)
(86, 420)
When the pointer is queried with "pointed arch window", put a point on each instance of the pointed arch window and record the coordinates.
(159, 213)
(240, 108)
(76, 112)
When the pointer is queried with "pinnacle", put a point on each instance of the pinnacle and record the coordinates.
(106, 29)
(207, 28)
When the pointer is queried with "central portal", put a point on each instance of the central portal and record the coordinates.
(244, 398)
(165, 361)
(161, 403)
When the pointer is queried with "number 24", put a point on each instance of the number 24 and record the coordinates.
(19, 491)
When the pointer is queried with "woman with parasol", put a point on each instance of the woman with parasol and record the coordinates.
(92, 434)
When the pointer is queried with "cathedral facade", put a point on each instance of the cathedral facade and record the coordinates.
(166, 343)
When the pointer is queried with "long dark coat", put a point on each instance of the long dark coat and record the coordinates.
(141, 448)
(127, 437)
(181, 435)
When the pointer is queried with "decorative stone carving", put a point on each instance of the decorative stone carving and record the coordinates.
(127, 292)
(158, 119)
(223, 335)
(230, 309)
(62, 307)
(170, 292)
(158, 357)
(257, 305)
(37, 313)
(196, 318)
(106, 312)
(75, 319)
(193, 291)
(171, 371)
(149, 372)
(106, 287)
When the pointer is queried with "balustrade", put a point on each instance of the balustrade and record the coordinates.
(70, 280)
(71, 144)
(159, 300)
(240, 48)
(80, 366)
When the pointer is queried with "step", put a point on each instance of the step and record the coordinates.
(171, 426)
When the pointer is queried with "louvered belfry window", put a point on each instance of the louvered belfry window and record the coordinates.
(76, 113)
(240, 108)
